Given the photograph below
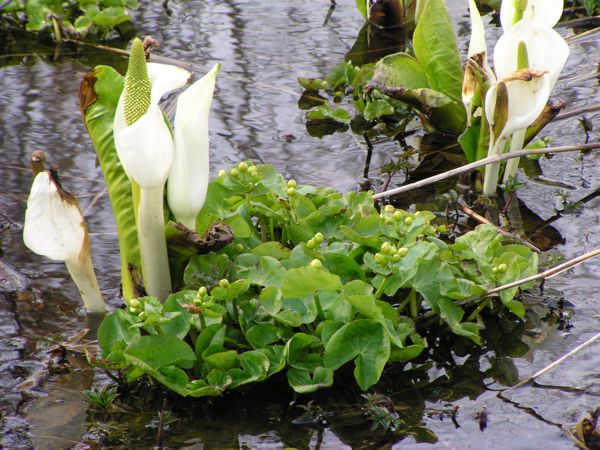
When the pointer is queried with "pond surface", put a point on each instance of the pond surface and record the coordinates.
(264, 47)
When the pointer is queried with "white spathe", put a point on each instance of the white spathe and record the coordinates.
(546, 50)
(188, 178)
(546, 13)
(478, 56)
(527, 96)
(146, 147)
(53, 227)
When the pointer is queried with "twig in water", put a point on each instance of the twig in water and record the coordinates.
(160, 435)
(557, 362)
(479, 218)
(577, 112)
(330, 12)
(483, 162)
(369, 155)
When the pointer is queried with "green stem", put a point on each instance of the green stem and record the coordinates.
(82, 272)
(320, 312)
(153, 244)
(516, 143)
(413, 306)
(479, 308)
(490, 182)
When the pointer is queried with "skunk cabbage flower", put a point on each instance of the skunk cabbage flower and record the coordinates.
(145, 148)
(512, 104)
(546, 13)
(54, 227)
(188, 179)
(529, 45)
(477, 68)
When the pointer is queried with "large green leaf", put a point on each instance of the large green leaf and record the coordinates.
(364, 341)
(437, 51)
(303, 382)
(99, 95)
(400, 70)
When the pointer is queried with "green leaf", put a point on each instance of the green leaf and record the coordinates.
(271, 300)
(378, 109)
(437, 51)
(312, 84)
(99, 95)
(475, 141)
(217, 357)
(303, 352)
(115, 333)
(303, 281)
(324, 112)
(254, 367)
(303, 382)
(211, 335)
(400, 70)
(207, 270)
(364, 341)
(180, 325)
(268, 272)
(273, 249)
(362, 7)
(261, 335)
(159, 351)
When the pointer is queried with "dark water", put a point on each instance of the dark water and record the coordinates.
(264, 47)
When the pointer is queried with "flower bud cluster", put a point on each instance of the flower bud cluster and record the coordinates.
(389, 254)
(245, 172)
(315, 241)
(136, 307)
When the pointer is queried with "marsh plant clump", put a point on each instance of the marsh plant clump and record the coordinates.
(312, 280)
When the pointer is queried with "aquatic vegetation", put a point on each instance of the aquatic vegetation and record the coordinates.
(304, 280)
(330, 101)
(72, 18)
(54, 227)
(313, 280)
(390, 13)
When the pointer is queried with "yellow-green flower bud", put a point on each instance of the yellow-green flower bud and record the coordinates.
(310, 244)
(380, 258)
(222, 173)
(243, 166)
(224, 283)
(291, 192)
(134, 303)
(292, 183)
(234, 172)
(402, 251)
(319, 238)
(389, 209)
(386, 248)
(502, 268)
(239, 248)
(316, 264)
(397, 216)
(408, 220)
(202, 292)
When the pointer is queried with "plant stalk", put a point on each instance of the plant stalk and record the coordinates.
(81, 270)
(516, 143)
(153, 244)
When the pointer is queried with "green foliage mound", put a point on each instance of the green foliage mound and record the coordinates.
(313, 280)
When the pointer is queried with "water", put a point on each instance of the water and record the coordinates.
(264, 47)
